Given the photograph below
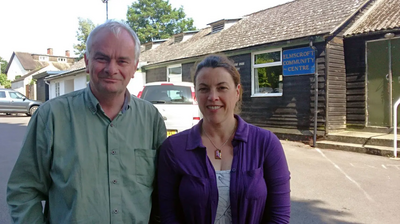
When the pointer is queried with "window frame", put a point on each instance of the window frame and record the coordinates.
(174, 66)
(57, 87)
(271, 64)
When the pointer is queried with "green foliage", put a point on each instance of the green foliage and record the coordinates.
(4, 64)
(17, 76)
(84, 29)
(4, 81)
(155, 19)
(33, 81)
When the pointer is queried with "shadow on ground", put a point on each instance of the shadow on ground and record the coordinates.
(313, 211)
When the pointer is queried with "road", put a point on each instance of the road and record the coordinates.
(328, 186)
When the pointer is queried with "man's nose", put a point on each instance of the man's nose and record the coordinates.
(111, 67)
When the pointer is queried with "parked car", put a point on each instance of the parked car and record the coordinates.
(176, 103)
(12, 101)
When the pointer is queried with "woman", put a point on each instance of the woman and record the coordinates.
(223, 170)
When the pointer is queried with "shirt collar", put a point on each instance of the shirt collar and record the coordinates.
(194, 136)
(94, 103)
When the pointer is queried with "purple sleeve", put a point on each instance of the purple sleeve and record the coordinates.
(168, 185)
(277, 178)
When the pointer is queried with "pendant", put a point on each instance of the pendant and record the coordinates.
(218, 154)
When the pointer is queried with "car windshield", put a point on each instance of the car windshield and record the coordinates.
(168, 94)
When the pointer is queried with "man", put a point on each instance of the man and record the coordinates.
(90, 155)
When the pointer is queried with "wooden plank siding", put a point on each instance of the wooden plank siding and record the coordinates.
(336, 85)
(355, 82)
(187, 72)
(156, 75)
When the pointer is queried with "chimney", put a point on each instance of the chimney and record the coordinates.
(67, 53)
(50, 51)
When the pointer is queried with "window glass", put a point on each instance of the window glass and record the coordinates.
(16, 95)
(169, 94)
(268, 79)
(2, 94)
(174, 74)
(267, 73)
(267, 57)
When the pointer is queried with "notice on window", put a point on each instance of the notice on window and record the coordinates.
(299, 61)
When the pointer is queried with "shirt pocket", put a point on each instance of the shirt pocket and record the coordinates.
(145, 166)
(255, 186)
(194, 191)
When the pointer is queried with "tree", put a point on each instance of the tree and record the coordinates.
(4, 81)
(84, 29)
(155, 19)
(4, 64)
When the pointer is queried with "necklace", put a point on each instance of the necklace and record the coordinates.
(218, 152)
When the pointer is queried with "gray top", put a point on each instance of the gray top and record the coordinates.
(224, 215)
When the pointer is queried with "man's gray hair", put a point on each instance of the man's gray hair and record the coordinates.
(115, 26)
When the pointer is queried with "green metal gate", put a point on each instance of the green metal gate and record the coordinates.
(379, 88)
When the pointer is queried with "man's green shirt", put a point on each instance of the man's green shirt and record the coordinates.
(88, 168)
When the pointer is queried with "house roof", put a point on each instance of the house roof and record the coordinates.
(26, 75)
(45, 74)
(27, 61)
(383, 15)
(77, 67)
(292, 20)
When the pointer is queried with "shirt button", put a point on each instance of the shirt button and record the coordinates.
(113, 152)
(115, 211)
(114, 181)
(233, 170)
(111, 125)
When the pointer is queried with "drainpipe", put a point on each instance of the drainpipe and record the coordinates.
(315, 94)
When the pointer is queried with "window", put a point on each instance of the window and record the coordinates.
(61, 59)
(57, 90)
(2, 94)
(174, 73)
(43, 58)
(16, 95)
(267, 78)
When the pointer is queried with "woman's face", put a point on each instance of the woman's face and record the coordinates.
(216, 94)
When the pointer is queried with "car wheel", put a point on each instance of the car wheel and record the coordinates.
(32, 110)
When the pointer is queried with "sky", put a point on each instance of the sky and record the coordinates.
(34, 25)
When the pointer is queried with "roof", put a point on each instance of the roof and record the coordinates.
(45, 74)
(292, 20)
(26, 75)
(384, 15)
(27, 61)
(77, 67)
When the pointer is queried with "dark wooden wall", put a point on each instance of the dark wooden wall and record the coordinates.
(156, 75)
(355, 82)
(336, 85)
(42, 90)
(187, 70)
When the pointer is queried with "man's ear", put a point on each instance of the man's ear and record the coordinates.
(86, 63)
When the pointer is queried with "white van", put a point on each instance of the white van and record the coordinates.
(176, 103)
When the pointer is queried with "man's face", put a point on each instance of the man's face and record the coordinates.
(111, 62)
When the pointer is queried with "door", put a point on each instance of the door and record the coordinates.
(379, 88)
(18, 102)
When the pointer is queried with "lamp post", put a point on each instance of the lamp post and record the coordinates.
(106, 1)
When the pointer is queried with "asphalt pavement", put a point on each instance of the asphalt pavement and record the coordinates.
(328, 186)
